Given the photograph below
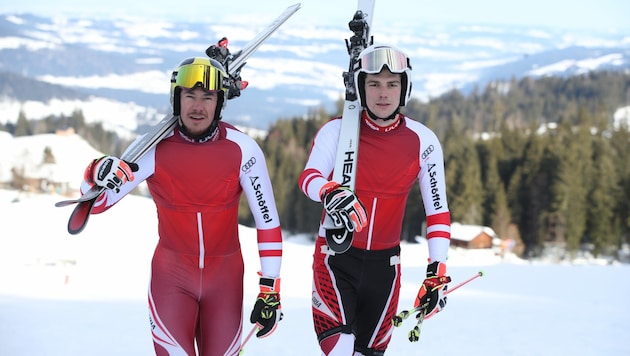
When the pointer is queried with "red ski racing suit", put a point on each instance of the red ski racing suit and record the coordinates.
(196, 287)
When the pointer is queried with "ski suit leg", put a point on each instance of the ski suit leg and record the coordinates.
(221, 303)
(188, 303)
(355, 292)
(173, 306)
(378, 300)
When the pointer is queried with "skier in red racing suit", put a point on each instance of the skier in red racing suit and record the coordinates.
(196, 176)
(355, 293)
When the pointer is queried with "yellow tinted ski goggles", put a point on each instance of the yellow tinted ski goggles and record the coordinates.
(193, 75)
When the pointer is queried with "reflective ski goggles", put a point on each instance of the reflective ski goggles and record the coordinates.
(373, 62)
(199, 75)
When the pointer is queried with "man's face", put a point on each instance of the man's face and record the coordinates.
(197, 109)
(382, 93)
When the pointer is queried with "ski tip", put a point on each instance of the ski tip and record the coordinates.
(75, 227)
(481, 273)
(79, 217)
(61, 204)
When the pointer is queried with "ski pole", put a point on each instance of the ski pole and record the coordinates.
(414, 334)
(477, 275)
(249, 336)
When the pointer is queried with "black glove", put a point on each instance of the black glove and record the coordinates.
(109, 172)
(432, 294)
(267, 311)
(343, 206)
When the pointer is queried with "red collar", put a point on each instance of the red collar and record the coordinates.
(377, 128)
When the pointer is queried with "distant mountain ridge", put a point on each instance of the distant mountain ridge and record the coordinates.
(24, 88)
(130, 61)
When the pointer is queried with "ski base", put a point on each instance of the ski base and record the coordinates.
(80, 215)
(339, 240)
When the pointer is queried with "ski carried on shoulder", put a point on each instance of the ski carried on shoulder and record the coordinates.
(338, 238)
(233, 64)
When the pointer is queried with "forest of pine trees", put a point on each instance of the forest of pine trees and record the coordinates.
(538, 160)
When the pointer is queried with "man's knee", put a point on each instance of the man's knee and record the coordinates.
(337, 341)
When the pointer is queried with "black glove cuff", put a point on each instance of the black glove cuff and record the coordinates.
(266, 282)
(269, 285)
(433, 269)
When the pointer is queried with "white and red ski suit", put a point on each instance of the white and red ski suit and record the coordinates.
(357, 292)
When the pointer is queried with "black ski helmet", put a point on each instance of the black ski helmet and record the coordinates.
(373, 59)
(206, 73)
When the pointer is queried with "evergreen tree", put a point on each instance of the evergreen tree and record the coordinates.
(77, 121)
(40, 127)
(496, 212)
(569, 189)
(527, 191)
(620, 147)
(48, 155)
(463, 175)
(22, 127)
(601, 228)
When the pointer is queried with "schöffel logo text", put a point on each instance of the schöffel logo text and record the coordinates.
(435, 193)
(249, 164)
(262, 203)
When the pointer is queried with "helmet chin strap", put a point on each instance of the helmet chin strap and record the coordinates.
(390, 117)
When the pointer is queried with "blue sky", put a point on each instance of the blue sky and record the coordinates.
(595, 15)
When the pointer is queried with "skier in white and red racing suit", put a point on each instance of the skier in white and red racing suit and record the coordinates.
(196, 176)
(355, 293)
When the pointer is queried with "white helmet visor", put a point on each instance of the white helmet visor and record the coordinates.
(372, 62)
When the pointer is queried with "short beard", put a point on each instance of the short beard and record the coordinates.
(204, 136)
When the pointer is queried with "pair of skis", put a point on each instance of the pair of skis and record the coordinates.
(233, 64)
(338, 238)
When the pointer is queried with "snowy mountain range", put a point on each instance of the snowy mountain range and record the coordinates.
(118, 71)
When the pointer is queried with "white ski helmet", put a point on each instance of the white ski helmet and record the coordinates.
(206, 73)
(372, 60)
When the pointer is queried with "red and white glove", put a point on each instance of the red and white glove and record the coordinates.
(432, 294)
(267, 311)
(109, 172)
(343, 206)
